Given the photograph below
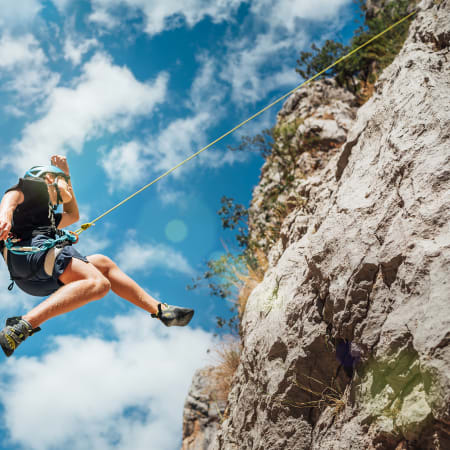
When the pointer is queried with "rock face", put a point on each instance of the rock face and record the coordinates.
(374, 6)
(201, 416)
(346, 340)
(312, 126)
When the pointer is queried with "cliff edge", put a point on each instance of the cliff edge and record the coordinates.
(345, 343)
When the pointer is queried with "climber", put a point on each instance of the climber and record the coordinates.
(70, 280)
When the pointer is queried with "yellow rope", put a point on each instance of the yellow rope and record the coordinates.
(85, 226)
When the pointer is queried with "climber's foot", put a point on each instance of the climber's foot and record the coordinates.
(173, 315)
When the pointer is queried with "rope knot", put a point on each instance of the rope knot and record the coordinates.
(85, 226)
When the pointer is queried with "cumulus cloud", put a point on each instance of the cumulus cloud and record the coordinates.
(218, 158)
(160, 16)
(257, 65)
(184, 136)
(129, 164)
(252, 67)
(101, 17)
(97, 393)
(180, 138)
(14, 14)
(142, 257)
(93, 243)
(105, 99)
(170, 196)
(61, 4)
(246, 61)
(22, 50)
(125, 165)
(75, 49)
(286, 13)
(13, 302)
(23, 69)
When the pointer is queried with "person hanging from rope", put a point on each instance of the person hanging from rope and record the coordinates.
(28, 216)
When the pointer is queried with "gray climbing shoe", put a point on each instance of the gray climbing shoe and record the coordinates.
(173, 315)
(14, 333)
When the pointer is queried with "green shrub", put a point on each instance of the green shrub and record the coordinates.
(366, 65)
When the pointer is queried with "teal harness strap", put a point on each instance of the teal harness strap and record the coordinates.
(67, 236)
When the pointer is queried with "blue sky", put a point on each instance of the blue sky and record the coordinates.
(126, 89)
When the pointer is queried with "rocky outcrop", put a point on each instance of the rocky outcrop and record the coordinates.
(202, 412)
(323, 112)
(311, 127)
(373, 7)
(346, 340)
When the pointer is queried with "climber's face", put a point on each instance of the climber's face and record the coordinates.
(63, 188)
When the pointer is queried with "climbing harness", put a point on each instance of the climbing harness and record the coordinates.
(65, 237)
(87, 225)
(62, 237)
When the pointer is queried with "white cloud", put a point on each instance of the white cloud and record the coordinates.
(206, 92)
(13, 14)
(15, 302)
(22, 50)
(256, 66)
(23, 68)
(92, 243)
(93, 393)
(185, 136)
(61, 4)
(251, 69)
(129, 164)
(179, 139)
(125, 166)
(248, 61)
(170, 196)
(13, 110)
(160, 16)
(74, 51)
(33, 84)
(140, 256)
(101, 17)
(219, 158)
(285, 13)
(106, 98)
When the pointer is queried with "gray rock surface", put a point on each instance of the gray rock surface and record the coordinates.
(373, 7)
(320, 113)
(202, 413)
(346, 340)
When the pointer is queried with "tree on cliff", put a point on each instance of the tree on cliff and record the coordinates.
(368, 63)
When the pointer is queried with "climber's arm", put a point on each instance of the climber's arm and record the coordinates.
(9, 203)
(70, 213)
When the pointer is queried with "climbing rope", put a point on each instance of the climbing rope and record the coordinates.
(87, 225)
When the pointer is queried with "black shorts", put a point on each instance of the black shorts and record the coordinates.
(28, 272)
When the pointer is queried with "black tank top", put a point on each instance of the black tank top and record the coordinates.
(35, 211)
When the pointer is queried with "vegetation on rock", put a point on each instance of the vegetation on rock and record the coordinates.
(360, 70)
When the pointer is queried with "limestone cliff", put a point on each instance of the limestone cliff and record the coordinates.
(202, 412)
(345, 343)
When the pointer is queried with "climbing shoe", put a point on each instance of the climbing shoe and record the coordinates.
(173, 315)
(14, 333)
